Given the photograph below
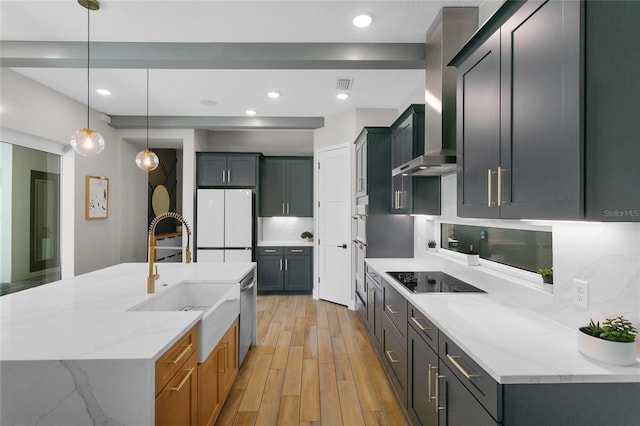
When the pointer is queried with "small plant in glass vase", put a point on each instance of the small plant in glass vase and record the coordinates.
(614, 342)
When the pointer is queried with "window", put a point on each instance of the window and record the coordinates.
(528, 250)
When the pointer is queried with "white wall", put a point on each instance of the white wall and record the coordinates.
(268, 142)
(607, 255)
(97, 243)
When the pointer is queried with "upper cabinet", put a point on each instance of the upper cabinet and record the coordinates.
(228, 170)
(373, 168)
(420, 195)
(286, 186)
(544, 128)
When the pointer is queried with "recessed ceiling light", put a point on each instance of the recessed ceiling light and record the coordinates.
(250, 112)
(208, 102)
(362, 21)
(342, 96)
(103, 92)
(273, 95)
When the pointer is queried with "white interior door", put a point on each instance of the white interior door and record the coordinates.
(334, 219)
(210, 225)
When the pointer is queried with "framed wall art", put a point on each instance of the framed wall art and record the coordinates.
(96, 197)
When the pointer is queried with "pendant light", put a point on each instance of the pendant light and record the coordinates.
(147, 160)
(86, 141)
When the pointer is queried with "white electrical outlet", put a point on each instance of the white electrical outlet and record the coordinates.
(580, 293)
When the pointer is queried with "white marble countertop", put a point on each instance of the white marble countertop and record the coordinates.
(500, 330)
(285, 243)
(86, 317)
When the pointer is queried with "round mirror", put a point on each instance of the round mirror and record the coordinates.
(160, 200)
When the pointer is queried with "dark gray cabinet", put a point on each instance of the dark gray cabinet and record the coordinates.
(373, 169)
(393, 341)
(565, 136)
(411, 195)
(373, 316)
(286, 186)
(226, 170)
(284, 269)
(422, 361)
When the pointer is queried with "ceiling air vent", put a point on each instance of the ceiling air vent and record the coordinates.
(344, 83)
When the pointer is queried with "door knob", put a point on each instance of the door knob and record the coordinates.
(344, 246)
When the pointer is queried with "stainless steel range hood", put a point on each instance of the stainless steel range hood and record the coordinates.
(453, 27)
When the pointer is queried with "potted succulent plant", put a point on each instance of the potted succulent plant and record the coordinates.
(614, 342)
(431, 244)
(307, 236)
(547, 278)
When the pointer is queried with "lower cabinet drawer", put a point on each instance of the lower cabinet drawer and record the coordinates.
(176, 404)
(456, 404)
(479, 383)
(394, 356)
(171, 361)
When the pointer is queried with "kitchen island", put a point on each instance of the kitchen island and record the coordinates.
(73, 352)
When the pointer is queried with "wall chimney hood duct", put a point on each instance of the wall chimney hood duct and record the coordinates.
(453, 27)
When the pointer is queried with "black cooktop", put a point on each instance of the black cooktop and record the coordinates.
(433, 282)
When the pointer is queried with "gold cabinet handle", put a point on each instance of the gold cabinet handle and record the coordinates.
(465, 373)
(417, 322)
(438, 407)
(392, 309)
(392, 359)
(183, 381)
(186, 350)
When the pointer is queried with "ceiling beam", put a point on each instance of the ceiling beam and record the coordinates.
(58, 54)
(216, 123)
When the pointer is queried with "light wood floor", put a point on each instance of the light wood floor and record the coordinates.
(313, 365)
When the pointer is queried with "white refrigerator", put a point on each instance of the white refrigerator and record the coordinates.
(224, 225)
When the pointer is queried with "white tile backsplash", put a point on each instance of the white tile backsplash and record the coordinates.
(607, 255)
(283, 228)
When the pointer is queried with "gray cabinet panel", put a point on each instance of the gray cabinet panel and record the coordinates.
(478, 145)
(394, 358)
(211, 170)
(286, 186)
(241, 171)
(270, 273)
(285, 269)
(297, 274)
(422, 370)
(218, 169)
(299, 189)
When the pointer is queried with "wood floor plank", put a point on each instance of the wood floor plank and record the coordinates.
(351, 410)
(281, 352)
(288, 320)
(367, 391)
(341, 359)
(250, 362)
(312, 313)
(230, 408)
(297, 335)
(394, 414)
(289, 414)
(293, 374)
(322, 316)
(334, 324)
(311, 342)
(301, 306)
(255, 388)
(271, 339)
(310, 391)
(330, 408)
(325, 354)
(270, 405)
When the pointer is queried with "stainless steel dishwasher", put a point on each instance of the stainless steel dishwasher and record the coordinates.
(248, 296)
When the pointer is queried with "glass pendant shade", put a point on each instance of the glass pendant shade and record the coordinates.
(87, 142)
(147, 160)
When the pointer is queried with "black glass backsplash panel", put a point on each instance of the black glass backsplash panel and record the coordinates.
(528, 250)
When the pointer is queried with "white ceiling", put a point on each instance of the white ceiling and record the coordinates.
(305, 92)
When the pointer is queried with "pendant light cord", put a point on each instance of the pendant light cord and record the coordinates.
(147, 109)
(88, 61)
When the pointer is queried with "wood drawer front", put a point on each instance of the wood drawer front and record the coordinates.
(297, 251)
(173, 359)
(472, 376)
(270, 251)
(424, 327)
(395, 308)
(176, 404)
(373, 276)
